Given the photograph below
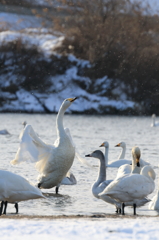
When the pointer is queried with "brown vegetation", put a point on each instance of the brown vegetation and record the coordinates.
(120, 39)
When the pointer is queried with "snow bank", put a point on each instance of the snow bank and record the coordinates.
(110, 229)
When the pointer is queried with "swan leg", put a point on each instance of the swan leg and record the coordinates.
(134, 206)
(16, 207)
(1, 208)
(118, 210)
(57, 190)
(122, 208)
(5, 207)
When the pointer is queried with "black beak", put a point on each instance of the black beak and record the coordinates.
(116, 145)
(88, 155)
(74, 99)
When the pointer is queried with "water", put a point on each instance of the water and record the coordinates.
(88, 133)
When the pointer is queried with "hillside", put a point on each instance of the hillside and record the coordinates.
(40, 66)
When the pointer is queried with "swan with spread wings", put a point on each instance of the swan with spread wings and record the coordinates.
(52, 161)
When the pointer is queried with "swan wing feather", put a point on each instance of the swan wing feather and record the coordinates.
(133, 186)
(32, 148)
(14, 187)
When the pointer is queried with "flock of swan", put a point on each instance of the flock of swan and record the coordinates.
(133, 183)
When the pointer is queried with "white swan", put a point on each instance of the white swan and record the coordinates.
(52, 161)
(4, 132)
(123, 151)
(154, 204)
(14, 188)
(131, 187)
(154, 123)
(101, 183)
(115, 164)
(127, 168)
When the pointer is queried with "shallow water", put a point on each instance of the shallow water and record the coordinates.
(88, 133)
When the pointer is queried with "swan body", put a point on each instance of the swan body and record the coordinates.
(133, 186)
(154, 204)
(115, 164)
(52, 161)
(123, 170)
(154, 123)
(70, 179)
(4, 132)
(14, 188)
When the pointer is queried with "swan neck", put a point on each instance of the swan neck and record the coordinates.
(106, 156)
(133, 164)
(59, 122)
(122, 153)
(102, 172)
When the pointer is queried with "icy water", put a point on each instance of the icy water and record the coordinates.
(88, 133)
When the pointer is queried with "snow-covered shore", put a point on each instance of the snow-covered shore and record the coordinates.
(75, 229)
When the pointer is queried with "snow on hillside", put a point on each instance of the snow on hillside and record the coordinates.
(67, 84)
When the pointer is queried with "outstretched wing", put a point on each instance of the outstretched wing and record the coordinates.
(77, 155)
(32, 149)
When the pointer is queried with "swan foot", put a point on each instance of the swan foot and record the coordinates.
(122, 209)
(1, 208)
(134, 206)
(5, 207)
(56, 190)
(39, 184)
(16, 207)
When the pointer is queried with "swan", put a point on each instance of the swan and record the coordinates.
(131, 187)
(154, 123)
(123, 146)
(135, 167)
(154, 204)
(14, 188)
(115, 164)
(52, 161)
(4, 132)
(101, 183)
(127, 168)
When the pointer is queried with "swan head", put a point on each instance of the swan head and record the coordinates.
(105, 144)
(24, 123)
(153, 115)
(96, 154)
(121, 144)
(67, 102)
(136, 153)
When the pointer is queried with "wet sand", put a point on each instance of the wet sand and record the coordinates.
(65, 217)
